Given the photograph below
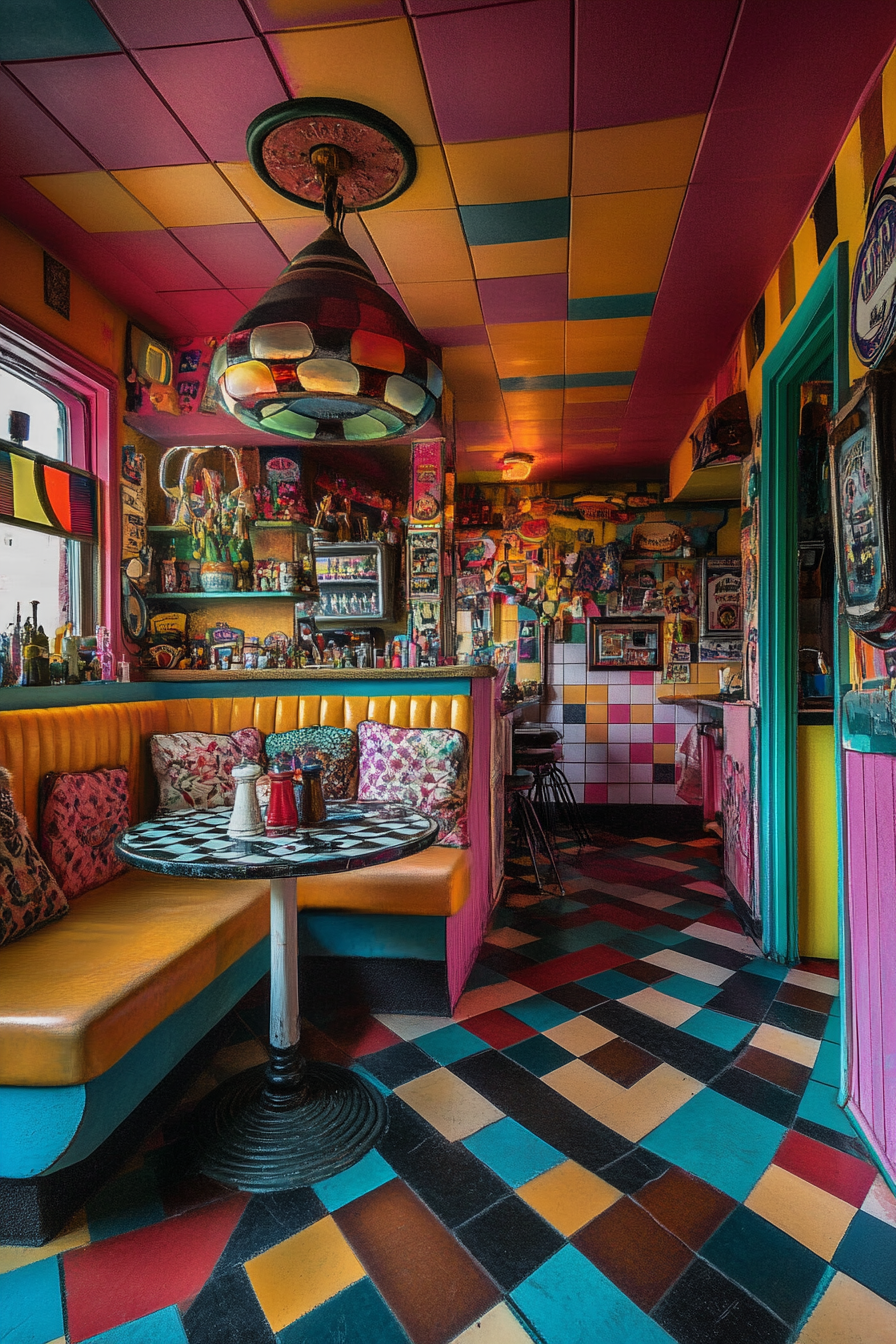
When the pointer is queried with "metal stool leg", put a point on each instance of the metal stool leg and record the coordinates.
(522, 824)
(538, 831)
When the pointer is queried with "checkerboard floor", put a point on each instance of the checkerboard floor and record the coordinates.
(627, 1134)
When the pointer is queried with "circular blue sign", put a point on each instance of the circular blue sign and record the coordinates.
(873, 297)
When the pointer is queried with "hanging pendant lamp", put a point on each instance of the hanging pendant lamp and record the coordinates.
(326, 354)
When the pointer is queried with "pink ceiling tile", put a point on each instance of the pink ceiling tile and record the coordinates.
(106, 105)
(273, 17)
(524, 298)
(31, 142)
(209, 312)
(594, 413)
(447, 336)
(443, 6)
(249, 297)
(649, 63)
(171, 23)
(238, 255)
(159, 259)
(216, 89)
(498, 72)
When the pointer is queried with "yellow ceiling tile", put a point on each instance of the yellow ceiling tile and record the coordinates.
(261, 199)
(527, 349)
(431, 188)
(186, 195)
(635, 158)
(619, 243)
(490, 172)
(421, 245)
(377, 62)
(545, 257)
(534, 405)
(605, 344)
(470, 373)
(618, 393)
(447, 303)
(95, 202)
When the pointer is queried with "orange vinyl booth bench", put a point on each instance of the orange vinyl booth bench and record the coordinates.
(107, 1013)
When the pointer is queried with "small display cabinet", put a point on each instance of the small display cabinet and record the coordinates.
(355, 581)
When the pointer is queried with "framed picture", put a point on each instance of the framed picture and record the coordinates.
(719, 650)
(624, 644)
(641, 588)
(721, 612)
(425, 564)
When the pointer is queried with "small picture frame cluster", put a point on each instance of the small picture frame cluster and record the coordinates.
(624, 645)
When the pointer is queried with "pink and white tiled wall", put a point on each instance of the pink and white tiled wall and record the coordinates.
(619, 739)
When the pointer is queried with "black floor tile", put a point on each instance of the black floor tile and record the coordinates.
(800, 1020)
(510, 1241)
(746, 996)
(635, 1170)
(267, 1220)
(782, 1273)
(868, 1253)
(540, 1109)
(713, 952)
(448, 1178)
(697, 1058)
(398, 1064)
(505, 960)
(758, 1094)
(575, 997)
(832, 1137)
(704, 1307)
(227, 1311)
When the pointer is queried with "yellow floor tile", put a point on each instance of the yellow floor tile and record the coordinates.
(595, 732)
(498, 1326)
(75, 1233)
(808, 980)
(411, 1025)
(580, 1035)
(642, 714)
(450, 1105)
(651, 839)
(850, 1314)
(573, 695)
(656, 900)
(568, 1196)
(487, 997)
(661, 1007)
(297, 1275)
(670, 960)
(810, 1215)
(799, 1049)
(508, 937)
(596, 712)
(633, 1111)
(596, 695)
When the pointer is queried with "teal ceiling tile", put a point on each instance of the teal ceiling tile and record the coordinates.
(548, 381)
(517, 222)
(617, 379)
(43, 29)
(611, 305)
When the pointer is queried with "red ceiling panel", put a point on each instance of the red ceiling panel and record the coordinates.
(31, 142)
(172, 23)
(159, 259)
(209, 312)
(236, 254)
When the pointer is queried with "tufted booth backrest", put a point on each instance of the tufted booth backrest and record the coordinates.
(34, 742)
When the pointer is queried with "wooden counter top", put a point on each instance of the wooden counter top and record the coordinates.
(327, 673)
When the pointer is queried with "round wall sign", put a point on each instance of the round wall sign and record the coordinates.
(873, 297)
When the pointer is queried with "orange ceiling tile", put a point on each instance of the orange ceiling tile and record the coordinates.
(421, 245)
(261, 199)
(605, 344)
(372, 63)
(470, 369)
(527, 349)
(545, 257)
(619, 243)
(531, 168)
(534, 405)
(651, 154)
(447, 303)
(291, 235)
(95, 201)
(584, 394)
(431, 189)
(191, 194)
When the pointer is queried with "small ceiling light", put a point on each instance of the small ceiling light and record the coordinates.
(326, 354)
(516, 466)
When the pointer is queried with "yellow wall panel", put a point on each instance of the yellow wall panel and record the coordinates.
(95, 201)
(527, 349)
(620, 392)
(534, 405)
(605, 344)
(421, 245)
(888, 92)
(619, 244)
(188, 194)
(544, 257)
(261, 199)
(635, 158)
(443, 303)
(491, 172)
(376, 61)
(818, 848)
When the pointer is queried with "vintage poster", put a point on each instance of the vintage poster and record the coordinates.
(424, 565)
(719, 650)
(642, 588)
(681, 588)
(427, 484)
(722, 609)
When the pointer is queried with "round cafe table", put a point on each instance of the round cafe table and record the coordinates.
(289, 1122)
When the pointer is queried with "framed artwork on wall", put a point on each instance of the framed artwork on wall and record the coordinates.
(721, 611)
(624, 645)
(424, 564)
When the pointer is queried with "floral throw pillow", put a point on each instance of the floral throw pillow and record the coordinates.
(29, 893)
(82, 815)
(194, 770)
(335, 748)
(424, 768)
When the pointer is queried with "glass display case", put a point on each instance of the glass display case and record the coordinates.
(355, 581)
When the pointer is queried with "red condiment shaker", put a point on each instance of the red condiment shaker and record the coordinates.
(282, 815)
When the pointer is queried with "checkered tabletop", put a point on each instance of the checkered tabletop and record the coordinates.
(356, 835)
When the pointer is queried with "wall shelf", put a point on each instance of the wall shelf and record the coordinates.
(222, 597)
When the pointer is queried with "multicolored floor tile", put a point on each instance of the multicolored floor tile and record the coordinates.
(627, 1134)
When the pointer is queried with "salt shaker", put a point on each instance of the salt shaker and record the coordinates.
(245, 819)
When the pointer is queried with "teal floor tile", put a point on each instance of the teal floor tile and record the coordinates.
(449, 1044)
(568, 1301)
(539, 1054)
(632, 944)
(540, 1013)
(717, 1028)
(658, 933)
(718, 1140)
(161, 1327)
(833, 1029)
(752, 1251)
(376, 1083)
(688, 990)
(358, 1313)
(562, 905)
(576, 940)
(692, 910)
(368, 1174)
(827, 1064)
(31, 1303)
(129, 1202)
(772, 970)
(819, 1103)
(611, 984)
(512, 1152)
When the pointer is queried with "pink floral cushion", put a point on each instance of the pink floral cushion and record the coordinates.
(195, 769)
(82, 815)
(424, 768)
(29, 893)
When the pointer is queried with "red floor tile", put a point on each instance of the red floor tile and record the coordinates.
(360, 1035)
(114, 1281)
(723, 919)
(819, 967)
(574, 966)
(623, 916)
(500, 1029)
(846, 1177)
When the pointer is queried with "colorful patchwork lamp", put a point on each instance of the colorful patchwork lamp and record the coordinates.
(326, 354)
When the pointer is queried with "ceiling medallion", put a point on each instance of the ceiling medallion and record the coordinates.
(326, 354)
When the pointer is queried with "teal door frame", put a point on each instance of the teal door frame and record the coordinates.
(818, 327)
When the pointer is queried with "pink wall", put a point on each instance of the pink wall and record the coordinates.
(871, 962)
(463, 934)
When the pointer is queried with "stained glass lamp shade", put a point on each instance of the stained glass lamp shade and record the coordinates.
(326, 354)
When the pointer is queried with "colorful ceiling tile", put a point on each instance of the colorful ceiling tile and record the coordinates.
(618, 243)
(160, 259)
(42, 30)
(635, 158)
(96, 202)
(262, 200)
(537, 298)
(421, 245)
(274, 15)
(546, 257)
(185, 196)
(171, 23)
(31, 141)
(516, 221)
(452, 302)
(529, 168)
(611, 343)
(237, 255)
(527, 349)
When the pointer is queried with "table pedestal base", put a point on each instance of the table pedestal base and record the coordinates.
(287, 1123)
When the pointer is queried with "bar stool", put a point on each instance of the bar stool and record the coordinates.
(553, 797)
(525, 820)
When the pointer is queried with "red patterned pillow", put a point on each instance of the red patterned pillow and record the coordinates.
(424, 768)
(194, 769)
(29, 893)
(81, 817)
